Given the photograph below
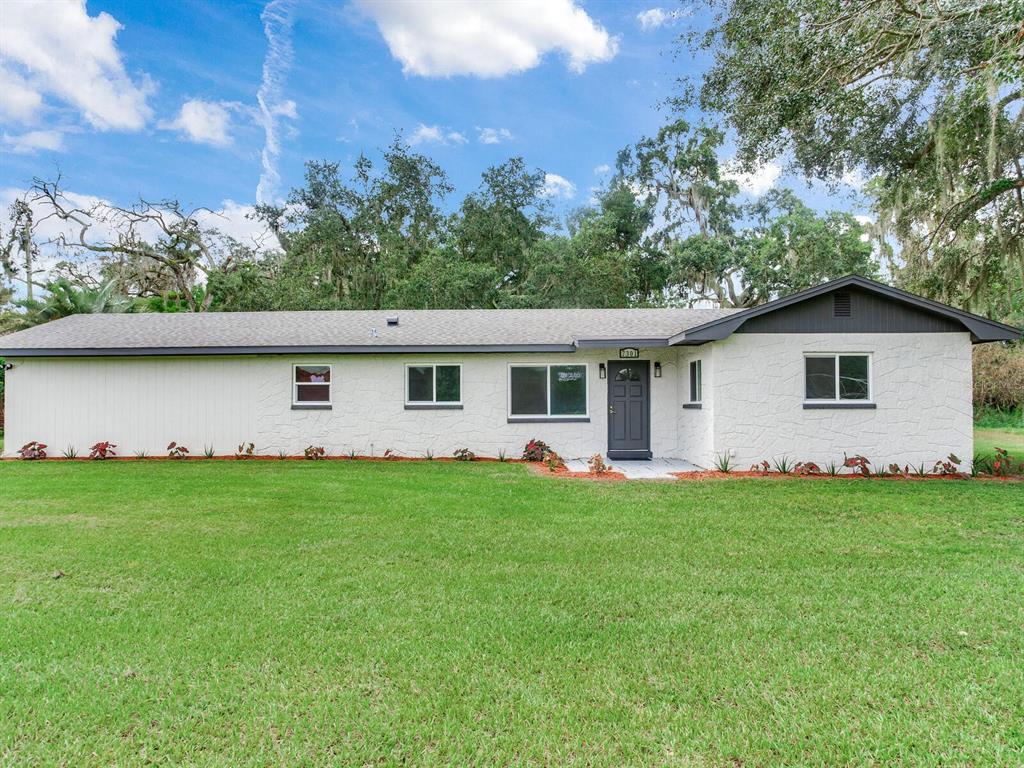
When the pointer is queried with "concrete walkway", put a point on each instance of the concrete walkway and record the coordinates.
(653, 469)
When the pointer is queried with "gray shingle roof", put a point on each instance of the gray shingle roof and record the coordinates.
(155, 333)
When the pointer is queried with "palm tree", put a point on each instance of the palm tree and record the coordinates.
(65, 298)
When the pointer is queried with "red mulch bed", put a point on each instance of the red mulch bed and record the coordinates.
(712, 475)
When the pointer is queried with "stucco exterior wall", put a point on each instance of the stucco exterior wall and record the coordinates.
(695, 425)
(921, 387)
(144, 403)
(752, 403)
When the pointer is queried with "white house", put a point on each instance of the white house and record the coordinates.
(851, 366)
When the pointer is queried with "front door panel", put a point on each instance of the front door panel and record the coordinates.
(629, 412)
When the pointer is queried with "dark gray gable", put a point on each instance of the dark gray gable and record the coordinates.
(851, 304)
(851, 311)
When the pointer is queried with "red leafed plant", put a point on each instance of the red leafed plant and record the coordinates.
(859, 464)
(32, 451)
(464, 454)
(175, 451)
(894, 469)
(947, 467)
(597, 465)
(103, 450)
(245, 451)
(806, 468)
(1004, 464)
(315, 452)
(764, 467)
(535, 450)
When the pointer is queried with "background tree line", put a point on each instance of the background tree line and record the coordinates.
(920, 98)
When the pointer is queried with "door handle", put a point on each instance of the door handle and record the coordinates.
(611, 409)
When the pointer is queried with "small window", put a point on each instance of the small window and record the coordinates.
(695, 381)
(837, 377)
(429, 384)
(548, 390)
(312, 384)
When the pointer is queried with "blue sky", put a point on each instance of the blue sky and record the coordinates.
(162, 100)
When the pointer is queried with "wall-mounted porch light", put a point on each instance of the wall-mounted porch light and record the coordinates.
(602, 372)
(657, 370)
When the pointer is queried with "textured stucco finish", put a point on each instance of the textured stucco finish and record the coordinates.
(144, 403)
(752, 403)
(922, 390)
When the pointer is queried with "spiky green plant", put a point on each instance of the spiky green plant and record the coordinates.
(723, 462)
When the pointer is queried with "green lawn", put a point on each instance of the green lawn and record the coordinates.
(333, 613)
(1007, 438)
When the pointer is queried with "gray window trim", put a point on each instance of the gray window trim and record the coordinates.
(433, 406)
(840, 405)
(548, 419)
(693, 406)
(311, 407)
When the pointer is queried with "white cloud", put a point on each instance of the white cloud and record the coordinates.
(558, 186)
(235, 220)
(19, 101)
(602, 169)
(757, 182)
(435, 134)
(32, 141)
(494, 135)
(57, 49)
(441, 38)
(277, 28)
(653, 18)
(204, 122)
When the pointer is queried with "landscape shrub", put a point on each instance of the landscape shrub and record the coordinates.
(245, 451)
(464, 454)
(315, 452)
(32, 451)
(597, 465)
(999, 378)
(102, 450)
(175, 451)
(535, 450)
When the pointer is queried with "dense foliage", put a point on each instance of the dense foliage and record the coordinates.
(922, 97)
(667, 228)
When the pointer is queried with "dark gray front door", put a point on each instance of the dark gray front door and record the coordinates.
(629, 410)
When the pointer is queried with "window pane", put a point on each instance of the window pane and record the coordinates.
(853, 377)
(421, 383)
(568, 390)
(529, 391)
(449, 387)
(821, 378)
(313, 393)
(317, 374)
(695, 383)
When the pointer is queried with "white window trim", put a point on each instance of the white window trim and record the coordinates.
(433, 367)
(700, 381)
(547, 379)
(836, 355)
(296, 385)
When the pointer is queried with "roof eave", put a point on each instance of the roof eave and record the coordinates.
(350, 349)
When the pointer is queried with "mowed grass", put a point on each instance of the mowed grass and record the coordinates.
(353, 613)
